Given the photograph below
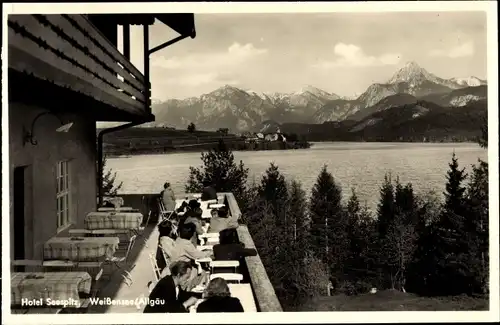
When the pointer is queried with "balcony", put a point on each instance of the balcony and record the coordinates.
(253, 270)
(68, 53)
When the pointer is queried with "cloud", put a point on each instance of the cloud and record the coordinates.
(463, 50)
(350, 55)
(234, 55)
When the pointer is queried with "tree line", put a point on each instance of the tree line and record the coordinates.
(312, 245)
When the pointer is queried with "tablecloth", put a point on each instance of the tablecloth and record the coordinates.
(80, 248)
(29, 287)
(113, 220)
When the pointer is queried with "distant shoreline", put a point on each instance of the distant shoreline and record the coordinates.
(233, 146)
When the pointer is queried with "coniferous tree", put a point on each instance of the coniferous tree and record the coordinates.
(273, 189)
(328, 223)
(447, 270)
(108, 181)
(385, 208)
(361, 235)
(477, 225)
(219, 168)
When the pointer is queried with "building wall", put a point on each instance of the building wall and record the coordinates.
(78, 146)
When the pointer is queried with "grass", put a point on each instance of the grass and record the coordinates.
(392, 300)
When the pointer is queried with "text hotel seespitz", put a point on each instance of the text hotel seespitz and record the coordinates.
(138, 302)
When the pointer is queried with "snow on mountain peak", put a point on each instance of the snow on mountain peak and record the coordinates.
(411, 72)
(469, 81)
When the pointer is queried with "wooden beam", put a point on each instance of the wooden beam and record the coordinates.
(51, 38)
(46, 66)
(85, 24)
(93, 48)
(126, 41)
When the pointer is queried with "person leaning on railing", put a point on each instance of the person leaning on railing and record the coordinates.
(209, 192)
(170, 295)
(230, 248)
(218, 299)
(220, 220)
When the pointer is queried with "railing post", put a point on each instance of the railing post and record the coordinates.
(126, 41)
(146, 68)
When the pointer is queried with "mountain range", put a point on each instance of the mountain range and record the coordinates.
(240, 110)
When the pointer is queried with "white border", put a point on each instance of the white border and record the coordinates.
(490, 7)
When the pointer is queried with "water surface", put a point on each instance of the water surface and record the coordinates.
(361, 166)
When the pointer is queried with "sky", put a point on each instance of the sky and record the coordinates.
(342, 53)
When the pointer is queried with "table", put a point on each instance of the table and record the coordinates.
(63, 286)
(125, 209)
(243, 291)
(113, 220)
(80, 248)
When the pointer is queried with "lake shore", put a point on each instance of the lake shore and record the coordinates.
(116, 151)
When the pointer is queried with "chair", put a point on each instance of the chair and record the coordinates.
(154, 265)
(165, 215)
(118, 260)
(140, 231)
(229, 277)
(167, 260)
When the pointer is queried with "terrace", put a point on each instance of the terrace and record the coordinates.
(253, 270)
(131, 282)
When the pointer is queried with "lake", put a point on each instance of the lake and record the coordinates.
(361, 166)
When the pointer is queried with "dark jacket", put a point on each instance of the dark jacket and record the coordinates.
(220, 305)
(165, 289)
(209, 193)
(230, 252)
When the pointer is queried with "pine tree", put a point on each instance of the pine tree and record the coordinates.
(385, 208)
(273, 189)
(219, 168)
(360, 233)
(477, 225)
(455, 189)
(446, 244)
(108, 181)
(298, 225)
(328, 223)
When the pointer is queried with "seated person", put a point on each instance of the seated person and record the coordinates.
(220, 220)
(209, 192)
(193, 215)
(183, 208)
(218, 299)
(171, 291)
(230, 248)
(187, 252)
(166, 242)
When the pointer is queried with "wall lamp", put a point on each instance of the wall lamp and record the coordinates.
(29, 136)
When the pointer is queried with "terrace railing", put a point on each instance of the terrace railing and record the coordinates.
(68, 51)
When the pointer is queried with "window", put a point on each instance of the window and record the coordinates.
(63, 195)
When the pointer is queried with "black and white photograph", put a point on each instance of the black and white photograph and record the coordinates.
(206, 158)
